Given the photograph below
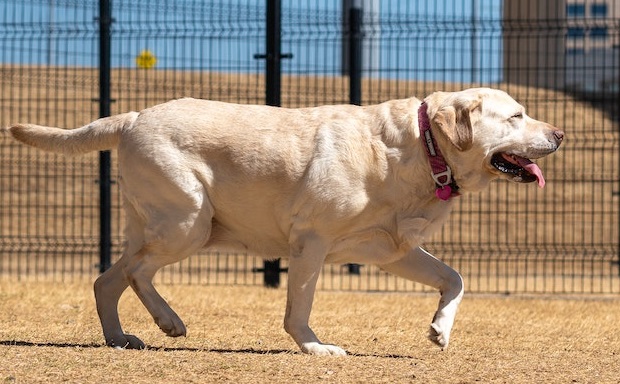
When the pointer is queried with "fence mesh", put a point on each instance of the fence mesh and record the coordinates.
(511, 238)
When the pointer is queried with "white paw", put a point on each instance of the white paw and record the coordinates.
(126, 342)
(439, 336)
(322, 349)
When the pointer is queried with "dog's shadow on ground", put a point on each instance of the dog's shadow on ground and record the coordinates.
(21, 343)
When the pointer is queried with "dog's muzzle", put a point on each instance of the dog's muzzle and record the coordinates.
(521, 169)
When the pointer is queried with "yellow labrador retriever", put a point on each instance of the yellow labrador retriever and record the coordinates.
(331, 184)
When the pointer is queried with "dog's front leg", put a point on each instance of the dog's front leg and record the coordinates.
(420, 266)
(305, 263)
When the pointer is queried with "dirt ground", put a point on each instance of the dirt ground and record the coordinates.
(50, 333)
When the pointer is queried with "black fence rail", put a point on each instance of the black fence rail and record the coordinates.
(560, 61)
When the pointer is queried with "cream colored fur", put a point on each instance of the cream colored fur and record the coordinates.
(331, 184)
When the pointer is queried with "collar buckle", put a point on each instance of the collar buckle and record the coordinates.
(447, 174)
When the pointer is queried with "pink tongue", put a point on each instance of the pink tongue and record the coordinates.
(533, 169)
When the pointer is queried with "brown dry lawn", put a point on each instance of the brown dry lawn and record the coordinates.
(50, 334)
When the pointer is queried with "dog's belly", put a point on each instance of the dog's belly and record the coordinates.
(370, 247)
(375, 236)
(260, 240)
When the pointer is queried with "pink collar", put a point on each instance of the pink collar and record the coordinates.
(440, 171)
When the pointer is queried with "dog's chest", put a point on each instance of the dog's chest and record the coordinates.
(414, 230)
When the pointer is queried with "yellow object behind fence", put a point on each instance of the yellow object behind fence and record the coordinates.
(146, 59)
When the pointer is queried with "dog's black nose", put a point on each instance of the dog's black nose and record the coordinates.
(559, 136)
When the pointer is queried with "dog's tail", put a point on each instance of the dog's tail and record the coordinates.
(100, 135)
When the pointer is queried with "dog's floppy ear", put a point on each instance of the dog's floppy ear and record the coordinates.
(456, 123)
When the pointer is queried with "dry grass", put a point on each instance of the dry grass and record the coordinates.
(50, 333)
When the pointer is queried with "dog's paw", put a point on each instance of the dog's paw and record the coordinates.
(172, 326)
(126, 342)
(438, 336)
(322, 349)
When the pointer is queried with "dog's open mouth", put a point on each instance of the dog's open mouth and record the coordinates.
(519, 169)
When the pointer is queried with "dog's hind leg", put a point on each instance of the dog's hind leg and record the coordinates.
(172, 235)
(167, 231)
(112, 283)
(420, 266)
(108, 289)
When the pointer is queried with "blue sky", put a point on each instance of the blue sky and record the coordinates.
(408, 39)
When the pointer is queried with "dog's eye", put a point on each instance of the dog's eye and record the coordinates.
(517, 116)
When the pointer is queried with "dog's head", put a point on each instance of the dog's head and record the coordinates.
(485, 134)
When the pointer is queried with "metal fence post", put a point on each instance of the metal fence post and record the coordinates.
(355, 54)
(273, 45)
(354, 71)
(273, 56)
(105, 204)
